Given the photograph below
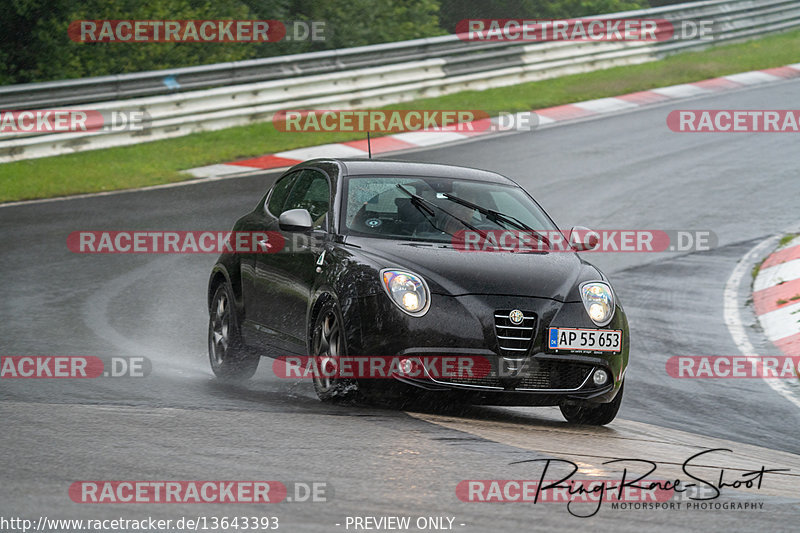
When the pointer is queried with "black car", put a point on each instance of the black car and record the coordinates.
(373, 263)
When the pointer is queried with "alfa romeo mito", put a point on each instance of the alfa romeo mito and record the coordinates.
(383, 258)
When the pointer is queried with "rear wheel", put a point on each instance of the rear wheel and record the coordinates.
(592, 414)
(328, 345)
(229, 358)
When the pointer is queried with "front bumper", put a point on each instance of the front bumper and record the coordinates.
(466, 326)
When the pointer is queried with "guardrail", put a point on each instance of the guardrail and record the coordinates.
(187, 100)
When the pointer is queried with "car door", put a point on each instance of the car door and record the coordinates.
(264, 218)
(283, 280)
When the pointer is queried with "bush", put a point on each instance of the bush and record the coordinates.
(35, 45)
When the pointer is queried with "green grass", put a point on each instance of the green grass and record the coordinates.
(757, 268)
(161, 161)
(786, 239)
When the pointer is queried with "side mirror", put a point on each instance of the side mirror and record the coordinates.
(295, 220)
(583, 239)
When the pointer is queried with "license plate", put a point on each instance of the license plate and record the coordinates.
(593, 340)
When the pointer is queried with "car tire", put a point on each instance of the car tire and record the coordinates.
(592, 414)
(327, 345)
(230, 359)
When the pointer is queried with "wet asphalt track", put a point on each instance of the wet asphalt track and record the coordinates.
(625, 171)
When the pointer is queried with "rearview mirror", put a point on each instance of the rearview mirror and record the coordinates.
(295, 220)
(583, 239)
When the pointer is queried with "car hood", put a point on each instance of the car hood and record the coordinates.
(450, 271)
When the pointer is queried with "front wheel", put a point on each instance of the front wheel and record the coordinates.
(229, 358)
(328, 345)
(593, 414)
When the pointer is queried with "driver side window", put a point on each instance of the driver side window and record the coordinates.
(312, 193)
(280, 191)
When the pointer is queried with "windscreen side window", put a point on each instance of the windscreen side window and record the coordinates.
(280, 191)
(311, 192)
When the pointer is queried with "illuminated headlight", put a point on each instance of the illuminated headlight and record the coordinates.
(598, 299)
(407, 290)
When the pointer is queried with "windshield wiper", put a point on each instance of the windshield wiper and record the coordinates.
(425, 205)
(497, 216)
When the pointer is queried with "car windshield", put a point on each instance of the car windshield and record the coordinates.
(435, 209)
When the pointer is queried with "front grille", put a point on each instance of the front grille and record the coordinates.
(514, 339)
(538, 375)
(486, 381)
(554, 375)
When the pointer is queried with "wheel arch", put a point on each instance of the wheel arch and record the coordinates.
(219, 275)
(321, 298)
(349, 309)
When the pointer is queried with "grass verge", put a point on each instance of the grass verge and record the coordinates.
(161, 161)
(786, 239)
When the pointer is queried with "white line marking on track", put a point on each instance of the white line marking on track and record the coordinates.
(428, 138)
(680, 91)
(775, 275)
(754, 77)
(605, 105)
(733, 317)
(322, 150)
(218, 170)
(781, 323)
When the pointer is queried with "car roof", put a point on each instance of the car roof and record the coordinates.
(358, 167)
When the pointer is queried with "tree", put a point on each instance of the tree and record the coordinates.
(452, 11)
(361, 22)
(36, 45)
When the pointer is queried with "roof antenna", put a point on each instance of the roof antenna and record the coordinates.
(369, 146)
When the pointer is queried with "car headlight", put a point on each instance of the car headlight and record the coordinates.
(407, 290)
(598, 299)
